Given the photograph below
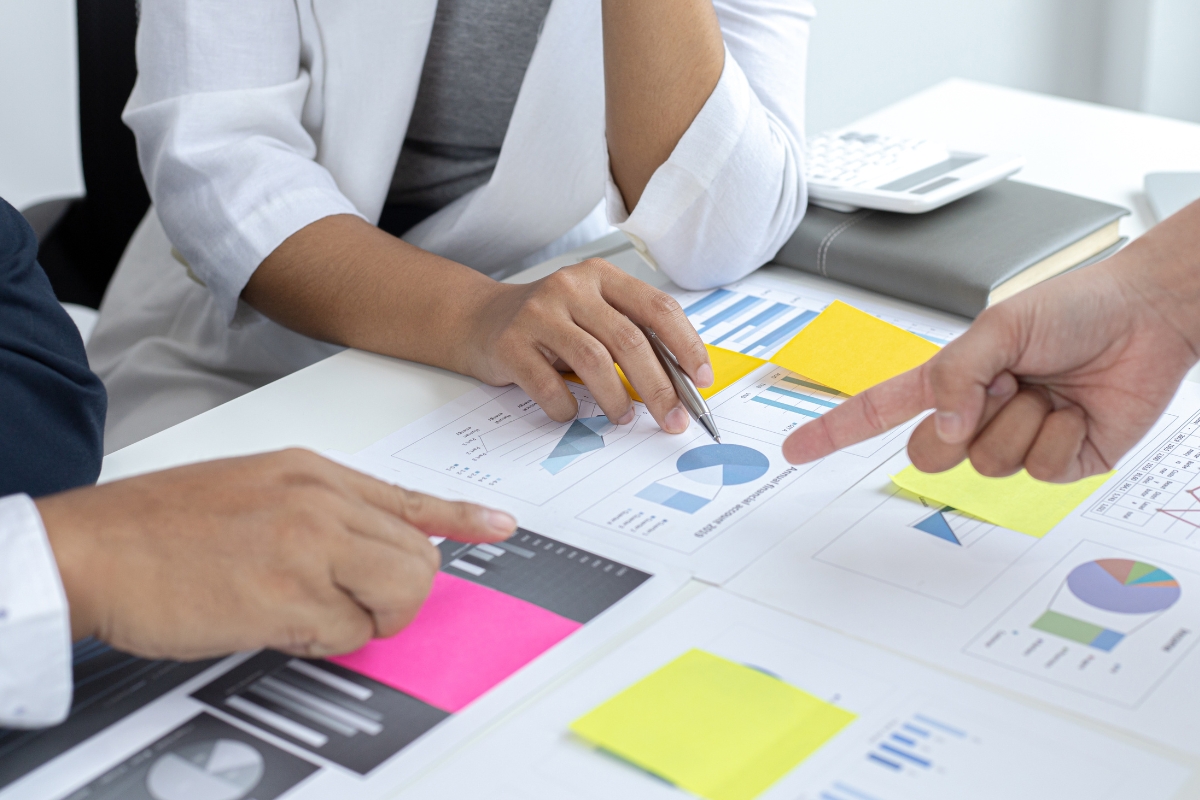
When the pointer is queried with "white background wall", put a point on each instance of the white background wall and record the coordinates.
(1139, 54)
(39, 112)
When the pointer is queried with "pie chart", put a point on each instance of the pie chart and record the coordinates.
(722, 464)
(220, 769)
(1124, 586)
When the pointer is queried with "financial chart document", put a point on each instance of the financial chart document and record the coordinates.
(502, 620)
(912, 733)
(1100, 616)
(682, 499)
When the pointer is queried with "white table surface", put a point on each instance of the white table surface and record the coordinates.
(352, 399)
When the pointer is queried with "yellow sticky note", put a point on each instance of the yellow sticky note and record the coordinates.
(718, 729)
(850, 350)
(728, 368)
(1019, 502)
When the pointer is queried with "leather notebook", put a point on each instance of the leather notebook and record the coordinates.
(962, 257)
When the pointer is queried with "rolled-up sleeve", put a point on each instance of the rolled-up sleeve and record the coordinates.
(732, 191)
(218, 115)
(35, 628)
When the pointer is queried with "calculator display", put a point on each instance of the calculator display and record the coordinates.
(921, 176)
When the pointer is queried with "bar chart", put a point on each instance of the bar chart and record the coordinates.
(108, 685)
(757, 318)
(769, 407)
(493, 609)
(911, 745)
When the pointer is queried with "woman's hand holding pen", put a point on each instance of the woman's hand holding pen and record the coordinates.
(584, 318)
(343, 280)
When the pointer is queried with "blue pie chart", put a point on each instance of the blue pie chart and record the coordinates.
(722, 464)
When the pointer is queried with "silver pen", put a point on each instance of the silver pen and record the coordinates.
(687, 391)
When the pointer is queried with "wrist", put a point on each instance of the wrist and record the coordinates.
(70, 540)
(467, 326)
(1163, 268)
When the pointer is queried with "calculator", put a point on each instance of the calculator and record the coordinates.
(849, 170)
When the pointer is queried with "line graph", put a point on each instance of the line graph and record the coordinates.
(506, 443)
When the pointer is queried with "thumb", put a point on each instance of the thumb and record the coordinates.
(961, 375)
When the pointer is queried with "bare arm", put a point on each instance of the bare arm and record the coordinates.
(662, 60)
(345, 281)
(283, 550)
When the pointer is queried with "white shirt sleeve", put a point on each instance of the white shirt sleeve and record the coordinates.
(217, 108)
(35, 628)
(732, 191)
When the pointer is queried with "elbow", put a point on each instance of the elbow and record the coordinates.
(731, 241)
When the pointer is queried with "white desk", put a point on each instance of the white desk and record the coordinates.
(352, 399)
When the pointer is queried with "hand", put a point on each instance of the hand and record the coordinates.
(285, 550)
(582, 318)
(343, 280)
(1062, 379)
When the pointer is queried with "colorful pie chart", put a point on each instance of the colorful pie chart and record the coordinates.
(1124, 586)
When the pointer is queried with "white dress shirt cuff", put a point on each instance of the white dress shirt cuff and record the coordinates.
(693, 166)
(35, 628)
(255, 237)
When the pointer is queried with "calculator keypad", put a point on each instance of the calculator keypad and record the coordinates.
(867, 160)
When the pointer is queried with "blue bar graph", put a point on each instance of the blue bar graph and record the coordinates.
(785, 331)
(763, 318)
(881, 760)
(810, 385)
(896, 751)
(941, 726)
(715, 296)
(857, 794)
(785, 407)
(924, 734)
(797, 396)
(904, 740)
(729, 312)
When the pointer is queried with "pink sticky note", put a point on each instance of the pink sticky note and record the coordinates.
(465, 640)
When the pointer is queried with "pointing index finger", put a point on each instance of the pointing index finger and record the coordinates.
(878, 409)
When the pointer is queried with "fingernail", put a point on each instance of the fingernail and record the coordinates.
(949, 426)
(704, 376)
(1004, 384)
(676, 421)
(627, 417)
(499, 521)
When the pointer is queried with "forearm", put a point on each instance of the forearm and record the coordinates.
(1163, 267)
(662, 59)
(345, 281)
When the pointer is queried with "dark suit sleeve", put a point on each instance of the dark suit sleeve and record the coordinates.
(51, 405)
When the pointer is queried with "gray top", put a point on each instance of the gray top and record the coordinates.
(478, 53)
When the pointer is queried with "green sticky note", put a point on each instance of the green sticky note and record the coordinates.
(1019, 502)
(718, 729)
